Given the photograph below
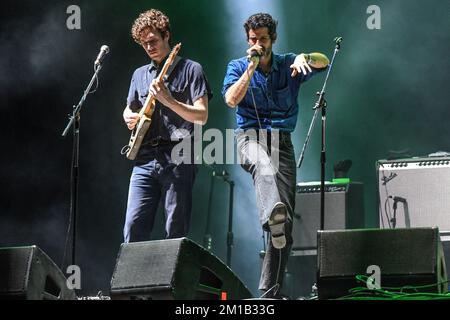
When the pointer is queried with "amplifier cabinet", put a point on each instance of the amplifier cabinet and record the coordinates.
(414, 192)
(344, 209)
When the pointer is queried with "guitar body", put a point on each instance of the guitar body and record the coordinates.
(145, 114)
(137, 136)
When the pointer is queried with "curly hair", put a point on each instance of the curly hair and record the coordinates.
(261, 20)
(152, 18)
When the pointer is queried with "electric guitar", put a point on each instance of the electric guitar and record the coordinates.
(145, 114)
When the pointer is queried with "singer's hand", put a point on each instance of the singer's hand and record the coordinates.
(159, 90)
(257, 48)
(131, 118)
(300, 65)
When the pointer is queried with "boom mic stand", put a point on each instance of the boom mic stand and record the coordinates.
(74, 123)
(321, 104)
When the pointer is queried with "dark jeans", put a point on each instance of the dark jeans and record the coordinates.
(274, 182)
(156, 178)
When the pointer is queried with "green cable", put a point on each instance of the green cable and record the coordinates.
(364, 293)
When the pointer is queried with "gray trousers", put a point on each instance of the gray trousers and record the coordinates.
(274, 182)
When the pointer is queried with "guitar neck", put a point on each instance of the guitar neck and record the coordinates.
(149, 106)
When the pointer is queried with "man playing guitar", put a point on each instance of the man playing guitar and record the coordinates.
(181, 102)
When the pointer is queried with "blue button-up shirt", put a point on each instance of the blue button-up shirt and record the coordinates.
(275, 94)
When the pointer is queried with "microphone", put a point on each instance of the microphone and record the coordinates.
(104, 50)
(338, 40)
(387, 179)
(254, 55)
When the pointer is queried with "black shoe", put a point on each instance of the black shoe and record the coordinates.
(277, 222)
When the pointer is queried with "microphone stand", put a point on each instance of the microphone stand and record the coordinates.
(321, 104)
(230, 236)
(394, 218)
(74, 123)
(207, 240)
(407, 219)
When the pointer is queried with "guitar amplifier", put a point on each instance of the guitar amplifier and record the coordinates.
(414, 192)
(344, 209)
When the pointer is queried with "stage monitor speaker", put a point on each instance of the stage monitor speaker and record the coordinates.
(344, 209)
(418, 189)
(170, 269)
(405, 257)
(27, 273)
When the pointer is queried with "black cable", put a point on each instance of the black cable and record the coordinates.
(96, 80)
(386, 208)
(386, 213)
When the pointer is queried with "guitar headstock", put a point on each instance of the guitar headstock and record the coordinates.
(174, 52)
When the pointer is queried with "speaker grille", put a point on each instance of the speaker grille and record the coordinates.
(172, 269)
(14, 269)
(344, 209)
(146, 264)
(424, 184)
(405, 257)
(28, 273)
(394, 251)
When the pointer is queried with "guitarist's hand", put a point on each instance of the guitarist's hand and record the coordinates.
(159, 90)
(131, 118)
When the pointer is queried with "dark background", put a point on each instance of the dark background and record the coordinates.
(388, 91)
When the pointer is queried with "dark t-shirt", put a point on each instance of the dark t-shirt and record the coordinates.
(186, 82)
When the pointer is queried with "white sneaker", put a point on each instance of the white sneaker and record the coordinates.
(276, 223)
